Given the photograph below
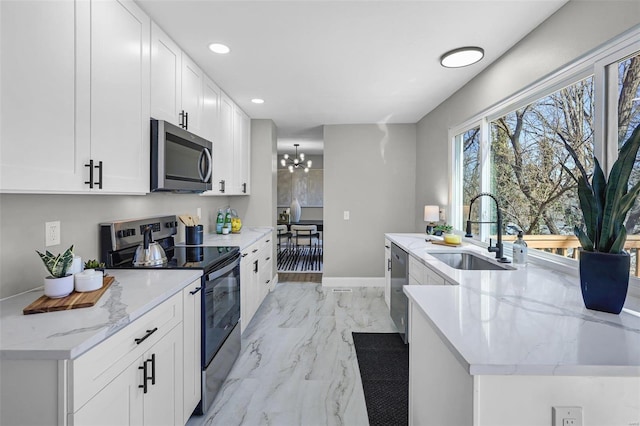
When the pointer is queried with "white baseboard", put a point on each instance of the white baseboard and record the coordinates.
(353, 281)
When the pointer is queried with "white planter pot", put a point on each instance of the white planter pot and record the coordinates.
(88, 280)
(58, 287)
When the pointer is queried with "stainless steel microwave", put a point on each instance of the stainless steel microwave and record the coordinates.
(180, 160)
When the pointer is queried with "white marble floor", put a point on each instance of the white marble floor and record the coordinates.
(298, 364)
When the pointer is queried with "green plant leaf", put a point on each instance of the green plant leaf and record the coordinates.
(618, 243)
(588, 205)
(616, 188)
(585, 242)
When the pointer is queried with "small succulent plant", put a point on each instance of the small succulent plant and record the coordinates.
(605, 203)
(443, 228)
(57, 265)
(93, 264)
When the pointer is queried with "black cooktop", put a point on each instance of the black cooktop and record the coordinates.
(180, 257)
(201, 257)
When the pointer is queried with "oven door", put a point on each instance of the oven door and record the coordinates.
(221, 306)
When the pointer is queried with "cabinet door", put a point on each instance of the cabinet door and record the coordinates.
(387, 273)
(242, 151)
(192, 82)
(210, 112)
(223, 148)
(163, 400)
(165, 77)
(192, 296)
(39, 148)
(118, 61)
(118, 403)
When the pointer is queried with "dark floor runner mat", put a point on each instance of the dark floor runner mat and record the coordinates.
(383, 359)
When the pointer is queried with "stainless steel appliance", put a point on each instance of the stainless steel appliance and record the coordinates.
(180, 160)
(399, 278)
(220, 293)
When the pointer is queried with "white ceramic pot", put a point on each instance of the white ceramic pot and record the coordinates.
(88, 280)
(58, 287)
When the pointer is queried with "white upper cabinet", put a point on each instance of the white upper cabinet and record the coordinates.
(231, 150)
(119, 74)
(192, 88)
(166, 79)
(81, 69)
(242, 151)
(210, 116)
(177, 84)
(38, 142)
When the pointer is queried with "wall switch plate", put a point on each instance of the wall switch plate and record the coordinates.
(346, 215)
(52, 233)
(566, 416)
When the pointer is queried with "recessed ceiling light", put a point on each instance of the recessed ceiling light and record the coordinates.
(219, 48)
(257, 101)
(462, 57)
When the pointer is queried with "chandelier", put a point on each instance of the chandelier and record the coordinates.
(295, 162)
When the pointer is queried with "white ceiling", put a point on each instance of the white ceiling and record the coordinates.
(342, 62)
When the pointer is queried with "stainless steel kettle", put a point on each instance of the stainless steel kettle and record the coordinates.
(149, 253)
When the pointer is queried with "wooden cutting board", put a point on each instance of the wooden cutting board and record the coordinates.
(73, 301)
(442, 243)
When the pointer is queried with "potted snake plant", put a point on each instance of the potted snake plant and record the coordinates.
(604, 265)
(59, 283)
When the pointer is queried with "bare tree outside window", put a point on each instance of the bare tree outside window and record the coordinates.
(628, 119)
(537, 152)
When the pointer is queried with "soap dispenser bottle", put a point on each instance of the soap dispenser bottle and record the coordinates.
(520, 250)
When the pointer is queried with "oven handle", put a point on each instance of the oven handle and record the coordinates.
(225, 270)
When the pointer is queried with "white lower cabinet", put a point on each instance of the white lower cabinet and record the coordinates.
(147, 373)
(256, 277)
(419, 273)
(140, 369)
(145, 393)
(192, 326)
(387, 272)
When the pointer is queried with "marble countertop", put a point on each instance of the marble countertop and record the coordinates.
(247, 236)
(67, 334)
(527, 321)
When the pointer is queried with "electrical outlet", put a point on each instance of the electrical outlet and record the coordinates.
(199, 212)
(566, 416)
(346, 215)
(52, 233)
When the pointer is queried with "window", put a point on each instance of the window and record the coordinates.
(537, 152)
(628, 106)
(469, 143)
(529, 155)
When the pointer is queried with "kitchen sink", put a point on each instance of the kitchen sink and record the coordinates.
(469, 262)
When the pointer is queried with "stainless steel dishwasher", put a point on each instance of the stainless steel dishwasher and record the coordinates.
(399, 278)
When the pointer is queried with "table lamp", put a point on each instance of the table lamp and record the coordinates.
(431, 216)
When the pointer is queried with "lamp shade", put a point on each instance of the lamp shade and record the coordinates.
(431, 213)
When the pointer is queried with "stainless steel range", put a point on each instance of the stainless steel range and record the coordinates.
(122, 241)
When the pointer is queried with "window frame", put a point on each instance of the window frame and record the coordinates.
(597, 63)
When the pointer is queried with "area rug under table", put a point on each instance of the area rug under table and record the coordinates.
(383, 359)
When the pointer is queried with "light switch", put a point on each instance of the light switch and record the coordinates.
(346, 215)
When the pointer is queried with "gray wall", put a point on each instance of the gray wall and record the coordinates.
(258, 209)
(573, 31)
(22, 216)
(370, 171)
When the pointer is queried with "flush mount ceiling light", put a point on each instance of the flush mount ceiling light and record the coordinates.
(219, 48)
(462, 57)
(257, 101)
(295, 162)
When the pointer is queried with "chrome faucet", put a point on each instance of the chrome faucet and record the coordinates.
(498, 249)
